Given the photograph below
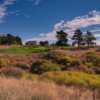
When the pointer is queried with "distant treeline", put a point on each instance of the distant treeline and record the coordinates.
(9, 39)
(78, 38)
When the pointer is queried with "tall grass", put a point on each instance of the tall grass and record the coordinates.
(13, 89)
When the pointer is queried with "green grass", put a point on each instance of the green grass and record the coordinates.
(24, 50)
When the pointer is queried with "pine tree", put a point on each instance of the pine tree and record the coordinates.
(89, 38)
(78, 37)
(61, 38)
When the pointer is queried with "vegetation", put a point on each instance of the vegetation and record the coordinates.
(62, 38)
(4, 62)
(43, 66)
(31, 90)
(10, 40)
(65, 61)
(89, 38)
(44, 43)
(23, 50)
(93, 62)
(54, 66)
(74, 78)
(77, 37)
(25, 90)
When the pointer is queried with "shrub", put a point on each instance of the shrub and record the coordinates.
(98, 49)
(94, 58)
(63, 59)
(4, 62)
(23, 66)
(11, 72)
(93, 61)
(42, 66)
(74, 78)
(68, 62)
(26, 75)
(89, 64)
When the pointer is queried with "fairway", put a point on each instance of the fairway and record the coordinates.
(24, 50)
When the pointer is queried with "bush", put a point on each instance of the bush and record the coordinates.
(26, 75)
(11, 72)
(94, 58)
(74, 78)
(4, 62)
(42, 66)
(93, 61)
(89, 64)
(23, 66)
(63, 59)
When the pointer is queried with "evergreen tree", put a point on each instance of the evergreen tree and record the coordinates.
(78, 37)
(61, 38)
(10, 40)
(18, 40)
(89, 38)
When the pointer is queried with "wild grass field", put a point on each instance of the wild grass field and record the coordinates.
(49, 73)
(14, 89)
(49, 49)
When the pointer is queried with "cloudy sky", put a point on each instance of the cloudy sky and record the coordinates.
(40, 19)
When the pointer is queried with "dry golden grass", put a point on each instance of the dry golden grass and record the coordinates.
(13, 89)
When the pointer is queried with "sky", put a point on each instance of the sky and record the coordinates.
(40, 19)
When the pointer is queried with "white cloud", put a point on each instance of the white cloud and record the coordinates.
(3, 8)
(92, 18)
(50, 36)
(59, 26)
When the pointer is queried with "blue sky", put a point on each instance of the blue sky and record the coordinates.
(40, 19)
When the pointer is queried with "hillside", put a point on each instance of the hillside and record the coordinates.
(68, 73)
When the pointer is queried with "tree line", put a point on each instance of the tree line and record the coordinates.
(10, 40)
(78, 38)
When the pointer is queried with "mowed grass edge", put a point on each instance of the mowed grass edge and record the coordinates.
(24, 50)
